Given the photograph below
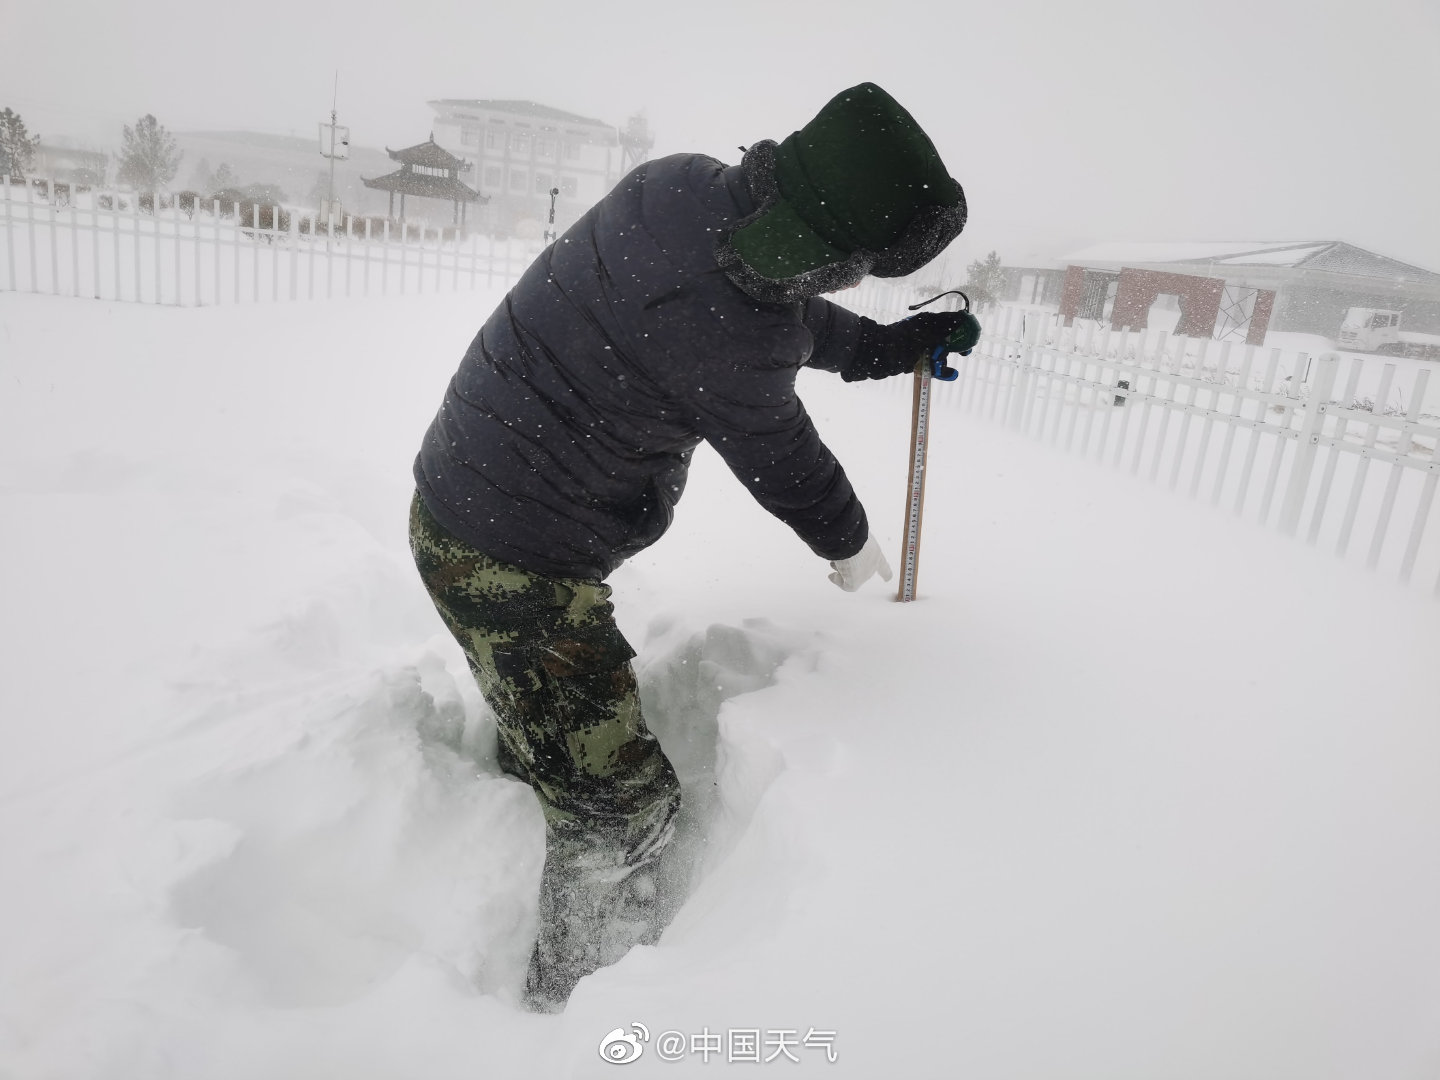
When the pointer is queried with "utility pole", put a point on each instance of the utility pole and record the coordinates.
(334, 143)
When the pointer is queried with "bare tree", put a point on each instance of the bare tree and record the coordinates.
(17, 146)
(148, 157)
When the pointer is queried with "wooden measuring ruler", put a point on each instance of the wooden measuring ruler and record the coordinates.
(915, 493)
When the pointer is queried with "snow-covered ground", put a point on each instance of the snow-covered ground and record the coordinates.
(1133, 791)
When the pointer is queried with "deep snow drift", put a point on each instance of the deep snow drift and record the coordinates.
(1134, 790)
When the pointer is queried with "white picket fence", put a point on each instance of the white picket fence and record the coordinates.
(124, 246)
(1339, 452)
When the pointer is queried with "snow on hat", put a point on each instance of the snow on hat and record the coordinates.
(858, 190)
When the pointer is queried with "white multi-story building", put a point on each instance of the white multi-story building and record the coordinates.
(519, 151)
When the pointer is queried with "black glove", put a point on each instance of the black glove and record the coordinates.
(896, 348)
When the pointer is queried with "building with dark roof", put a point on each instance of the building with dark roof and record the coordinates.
(1315, 282)
(1303, 286)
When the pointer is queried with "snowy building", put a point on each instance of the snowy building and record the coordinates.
(1312, 284)
(521, 150)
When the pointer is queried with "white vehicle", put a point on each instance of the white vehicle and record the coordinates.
(1377, 330)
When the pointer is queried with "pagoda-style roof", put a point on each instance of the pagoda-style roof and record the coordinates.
(424, 185)
(436, 178)
(429, 154)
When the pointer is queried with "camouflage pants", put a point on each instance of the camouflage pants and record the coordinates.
(553, 666)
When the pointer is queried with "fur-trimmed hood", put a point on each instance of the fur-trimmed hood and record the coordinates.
(929, 232)
(758, 166)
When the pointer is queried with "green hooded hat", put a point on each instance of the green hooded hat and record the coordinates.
(858, 190)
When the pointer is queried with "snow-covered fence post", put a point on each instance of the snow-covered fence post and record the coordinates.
(365, 268)
(1117, 398)
(1392, 486)
(135, 242)
(235, 235)
(155, 247)
(1034, 369)
(175, 221)
(195, 219)
(1127, 382)
(274, 244)
(1188, 412)
(1149, 395)
(1078, 372)
(1065, 379)
(385, 258)
(1308, 443)
(1101, 363)
(74, 247)
(115, 240)
(1171, 400)
(1222, 367)
(1357, 483)
(9, 237)
(292, 226)
(253, 249)
(1422, 515)
(1257, 427)
(1242, 385)
(30, 231)
(1030, 334)
(404, 254)
(215, 226)
(95, 239)
(1295, 381)
(310, 259)
(1000, 364)
(51, 214)
(329, 252)
(1024, 372)
(1332, 460)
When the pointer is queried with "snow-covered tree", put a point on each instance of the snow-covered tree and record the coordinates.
(207, 181)
(203, 178)
(986, 279)
(17, 146)
(320, 190)
(148, 157)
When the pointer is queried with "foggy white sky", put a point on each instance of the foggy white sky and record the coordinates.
(1066, 121)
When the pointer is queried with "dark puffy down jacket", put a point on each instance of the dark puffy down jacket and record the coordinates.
(564, 439)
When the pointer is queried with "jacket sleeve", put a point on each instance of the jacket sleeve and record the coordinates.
(736, 378)
(761, 430)
(851, 345)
